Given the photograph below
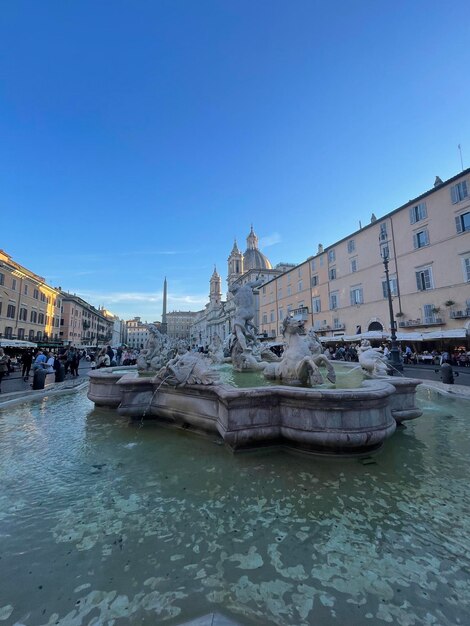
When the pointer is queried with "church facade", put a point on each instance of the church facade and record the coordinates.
(217, 316)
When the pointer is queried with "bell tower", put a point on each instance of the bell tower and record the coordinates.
(215, 295)
(235, 264)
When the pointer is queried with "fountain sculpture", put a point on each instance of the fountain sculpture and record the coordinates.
(183, 389)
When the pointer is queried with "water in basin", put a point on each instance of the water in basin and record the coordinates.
(105, 521)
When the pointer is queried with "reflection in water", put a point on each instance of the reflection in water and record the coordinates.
(101, 519)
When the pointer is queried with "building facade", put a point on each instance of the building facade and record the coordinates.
(81, 324)
(137, 333)
(29, 308)
(178, 324)
(342, 289)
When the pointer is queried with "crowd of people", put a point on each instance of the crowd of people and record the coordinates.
(409, 354)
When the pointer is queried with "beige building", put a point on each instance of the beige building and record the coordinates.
(342, 289)
(136, 333)
(179, 324)
(29, 308)
(81, 324)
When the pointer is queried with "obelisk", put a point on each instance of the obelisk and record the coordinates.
(163, 328)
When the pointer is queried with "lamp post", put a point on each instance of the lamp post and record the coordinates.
(395, 358)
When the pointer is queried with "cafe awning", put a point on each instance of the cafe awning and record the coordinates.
(17, 343)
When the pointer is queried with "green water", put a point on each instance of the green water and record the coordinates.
(346, 377)
(108, 522)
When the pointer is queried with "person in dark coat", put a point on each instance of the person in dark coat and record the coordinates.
(26, 360)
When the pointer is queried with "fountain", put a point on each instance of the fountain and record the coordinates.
(296, 412)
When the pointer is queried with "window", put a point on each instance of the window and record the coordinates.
(8, 332)
(334, 300)
(13, 284)
(351, 246)
(462, 222)
(25, 290)
(2, 279)
(424, 279)
(265, 318)
(356, 295)
(331, 256)
(299, 272)
(31, 335)
(315, 280)
(466, 269)
(35, 294)
(429, 315)
(322, 261)
(20, 333)
(43, 297)
(421, 239)
(316, 305)
(393, 287)
(418, 212)
(281, 314)
(289, 290)
(353, 265)
(41, 318)
(458, 192)
(23, 314)
(279, 293)
(299, 286)
(271, 316)
(383, 232)
(312, 263)
(34, 317)
(11, 311)
(332, 273)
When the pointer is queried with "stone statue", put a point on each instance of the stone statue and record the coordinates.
(244, 330)
(216, 350)
(154, 354)
(187, 368)
(297, 366)
(372, 361)
(316, 350)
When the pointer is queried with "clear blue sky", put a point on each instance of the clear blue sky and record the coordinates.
(138, 138)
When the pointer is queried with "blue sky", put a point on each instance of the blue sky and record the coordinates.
(139, 138)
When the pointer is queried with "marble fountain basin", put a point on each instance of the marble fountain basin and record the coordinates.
(323, 421)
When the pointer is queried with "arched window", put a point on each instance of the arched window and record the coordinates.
(375, 326)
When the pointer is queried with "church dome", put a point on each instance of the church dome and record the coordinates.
(253, 259)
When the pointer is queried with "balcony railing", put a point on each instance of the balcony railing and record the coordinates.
(428, 321)
(324, 328)
(301, 313)
(456, 315)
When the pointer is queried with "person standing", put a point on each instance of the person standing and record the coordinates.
(3, 365)
(26, 360)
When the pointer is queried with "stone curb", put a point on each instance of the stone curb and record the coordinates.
(17, 397)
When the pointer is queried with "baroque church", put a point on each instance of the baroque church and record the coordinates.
(217, 316)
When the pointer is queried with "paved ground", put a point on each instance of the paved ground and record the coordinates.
(427, 372)
(15, 382)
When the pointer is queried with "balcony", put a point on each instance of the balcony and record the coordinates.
(417, 323)
(300, 313)
(458, 315)
(324, 328)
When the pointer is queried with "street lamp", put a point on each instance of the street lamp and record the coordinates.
(395, 358)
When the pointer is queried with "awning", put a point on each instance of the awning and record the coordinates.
(455, 333)
(17, 343)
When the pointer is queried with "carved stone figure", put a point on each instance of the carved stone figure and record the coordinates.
(316, 350)
(244, 330)
(187, 368)
(216, 350)
(372, 361)
(154, 354)
(297, 365)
